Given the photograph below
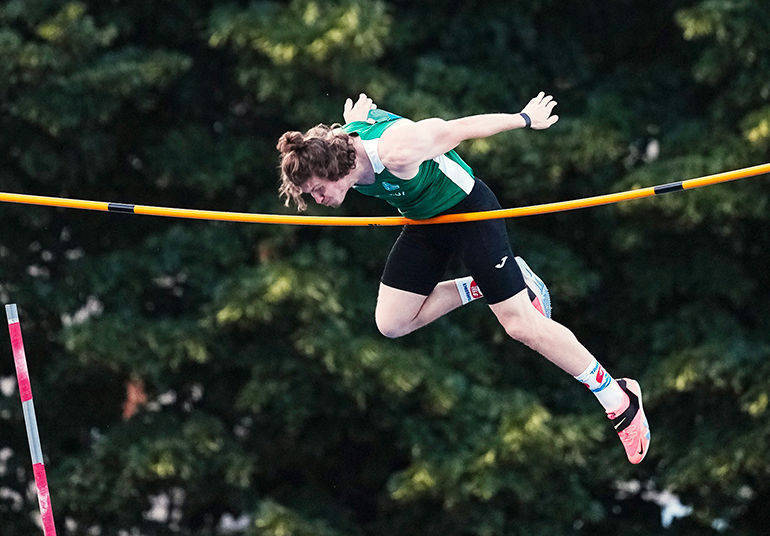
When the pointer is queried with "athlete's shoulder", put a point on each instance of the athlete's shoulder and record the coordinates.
(377, 122)
(378, 115)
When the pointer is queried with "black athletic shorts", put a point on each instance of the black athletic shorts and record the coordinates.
(420, 256)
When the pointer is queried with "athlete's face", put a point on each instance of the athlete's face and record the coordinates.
(326, 192)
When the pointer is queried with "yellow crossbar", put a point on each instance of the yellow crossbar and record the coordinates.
(387, 220)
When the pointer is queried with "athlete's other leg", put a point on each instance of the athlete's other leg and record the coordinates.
(485, 250)
(622, 398)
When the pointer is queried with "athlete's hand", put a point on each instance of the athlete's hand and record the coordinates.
(358, 111)
(539, 111)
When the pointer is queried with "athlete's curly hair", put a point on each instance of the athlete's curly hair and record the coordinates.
(323, 151)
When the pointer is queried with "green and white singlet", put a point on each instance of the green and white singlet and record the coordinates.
(440, 183)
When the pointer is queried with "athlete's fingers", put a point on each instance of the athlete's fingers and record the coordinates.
(550, 105)
(348, 104)
(552, 119)
(374, 106)
(540, 96)
(546, 99)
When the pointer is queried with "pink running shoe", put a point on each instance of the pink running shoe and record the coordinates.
(538, 292)
(631, 423)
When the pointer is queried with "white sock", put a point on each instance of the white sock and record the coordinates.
(601, 384)
(468, 289)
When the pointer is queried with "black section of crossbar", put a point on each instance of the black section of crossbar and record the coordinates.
(120, 207)
(667, 188)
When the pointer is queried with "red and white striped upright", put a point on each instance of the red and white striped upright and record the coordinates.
(25, 389)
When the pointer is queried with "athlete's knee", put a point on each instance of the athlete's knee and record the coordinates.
(517, 327)
(389, 331)
(393, 331)
(524, 324)
(529, 331)
(390, 327)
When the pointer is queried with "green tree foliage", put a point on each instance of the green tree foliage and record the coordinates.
(194, 376)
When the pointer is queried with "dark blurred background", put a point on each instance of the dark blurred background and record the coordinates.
(200, 378)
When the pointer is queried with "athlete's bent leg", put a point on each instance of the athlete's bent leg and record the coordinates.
(549, 338)
(400, 312)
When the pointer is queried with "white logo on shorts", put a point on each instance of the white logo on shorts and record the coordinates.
(502, 262)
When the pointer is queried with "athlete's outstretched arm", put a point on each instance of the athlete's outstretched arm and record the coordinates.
(410, 143)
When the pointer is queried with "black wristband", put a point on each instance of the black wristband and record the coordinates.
(527, 120)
